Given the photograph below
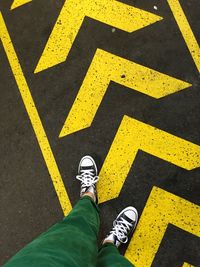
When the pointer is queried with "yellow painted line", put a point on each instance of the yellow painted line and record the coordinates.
(111, 12)
(106, 67)
(133, 136)
(187, 265)
(162, 209)
(186, 31)
(34, 117)
(18, 3)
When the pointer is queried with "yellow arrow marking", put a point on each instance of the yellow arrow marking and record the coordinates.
(111, 12)
(107, 67)
(162, 209)
(187, 265)
(186, 31)
(34, 117)
(18, 3)
(132, 136)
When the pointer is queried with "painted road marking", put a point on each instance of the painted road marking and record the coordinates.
(162, 209)
(186, 31)
(18, 3)
(70, 28)
(111, 12)
(107, 67)
(34, 118)
(132, 136)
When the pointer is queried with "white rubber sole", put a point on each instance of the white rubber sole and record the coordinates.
(129, 208)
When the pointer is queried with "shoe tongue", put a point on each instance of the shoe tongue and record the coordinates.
(118, 242)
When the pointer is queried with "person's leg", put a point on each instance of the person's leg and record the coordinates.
(109, 256)
(72, 242)
(123, 225)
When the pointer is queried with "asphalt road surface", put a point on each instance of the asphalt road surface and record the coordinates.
(115, 80)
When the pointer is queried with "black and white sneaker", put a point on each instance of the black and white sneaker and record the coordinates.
(123, 225)
(87, 174)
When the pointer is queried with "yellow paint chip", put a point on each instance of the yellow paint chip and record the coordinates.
(34, 118)
(162, 209)
(133, 136)
(18, 3)
(187, 265)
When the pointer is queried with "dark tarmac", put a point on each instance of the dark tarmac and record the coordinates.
(29, 203)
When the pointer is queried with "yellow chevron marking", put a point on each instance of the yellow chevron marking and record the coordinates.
(18, 3)
(132, 136)
(186, 31)
(34, 117)
(105, 68)
(71, 17)
(162, 209)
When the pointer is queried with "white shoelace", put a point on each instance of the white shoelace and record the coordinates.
(121, 229)
(87, 177)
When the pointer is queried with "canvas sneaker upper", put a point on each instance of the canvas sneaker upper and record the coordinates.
(123, 225)
(87, 174)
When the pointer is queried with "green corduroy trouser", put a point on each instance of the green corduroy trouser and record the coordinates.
(71, 242)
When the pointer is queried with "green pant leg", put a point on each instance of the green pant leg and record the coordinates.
(109, 256)
(71, 243)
